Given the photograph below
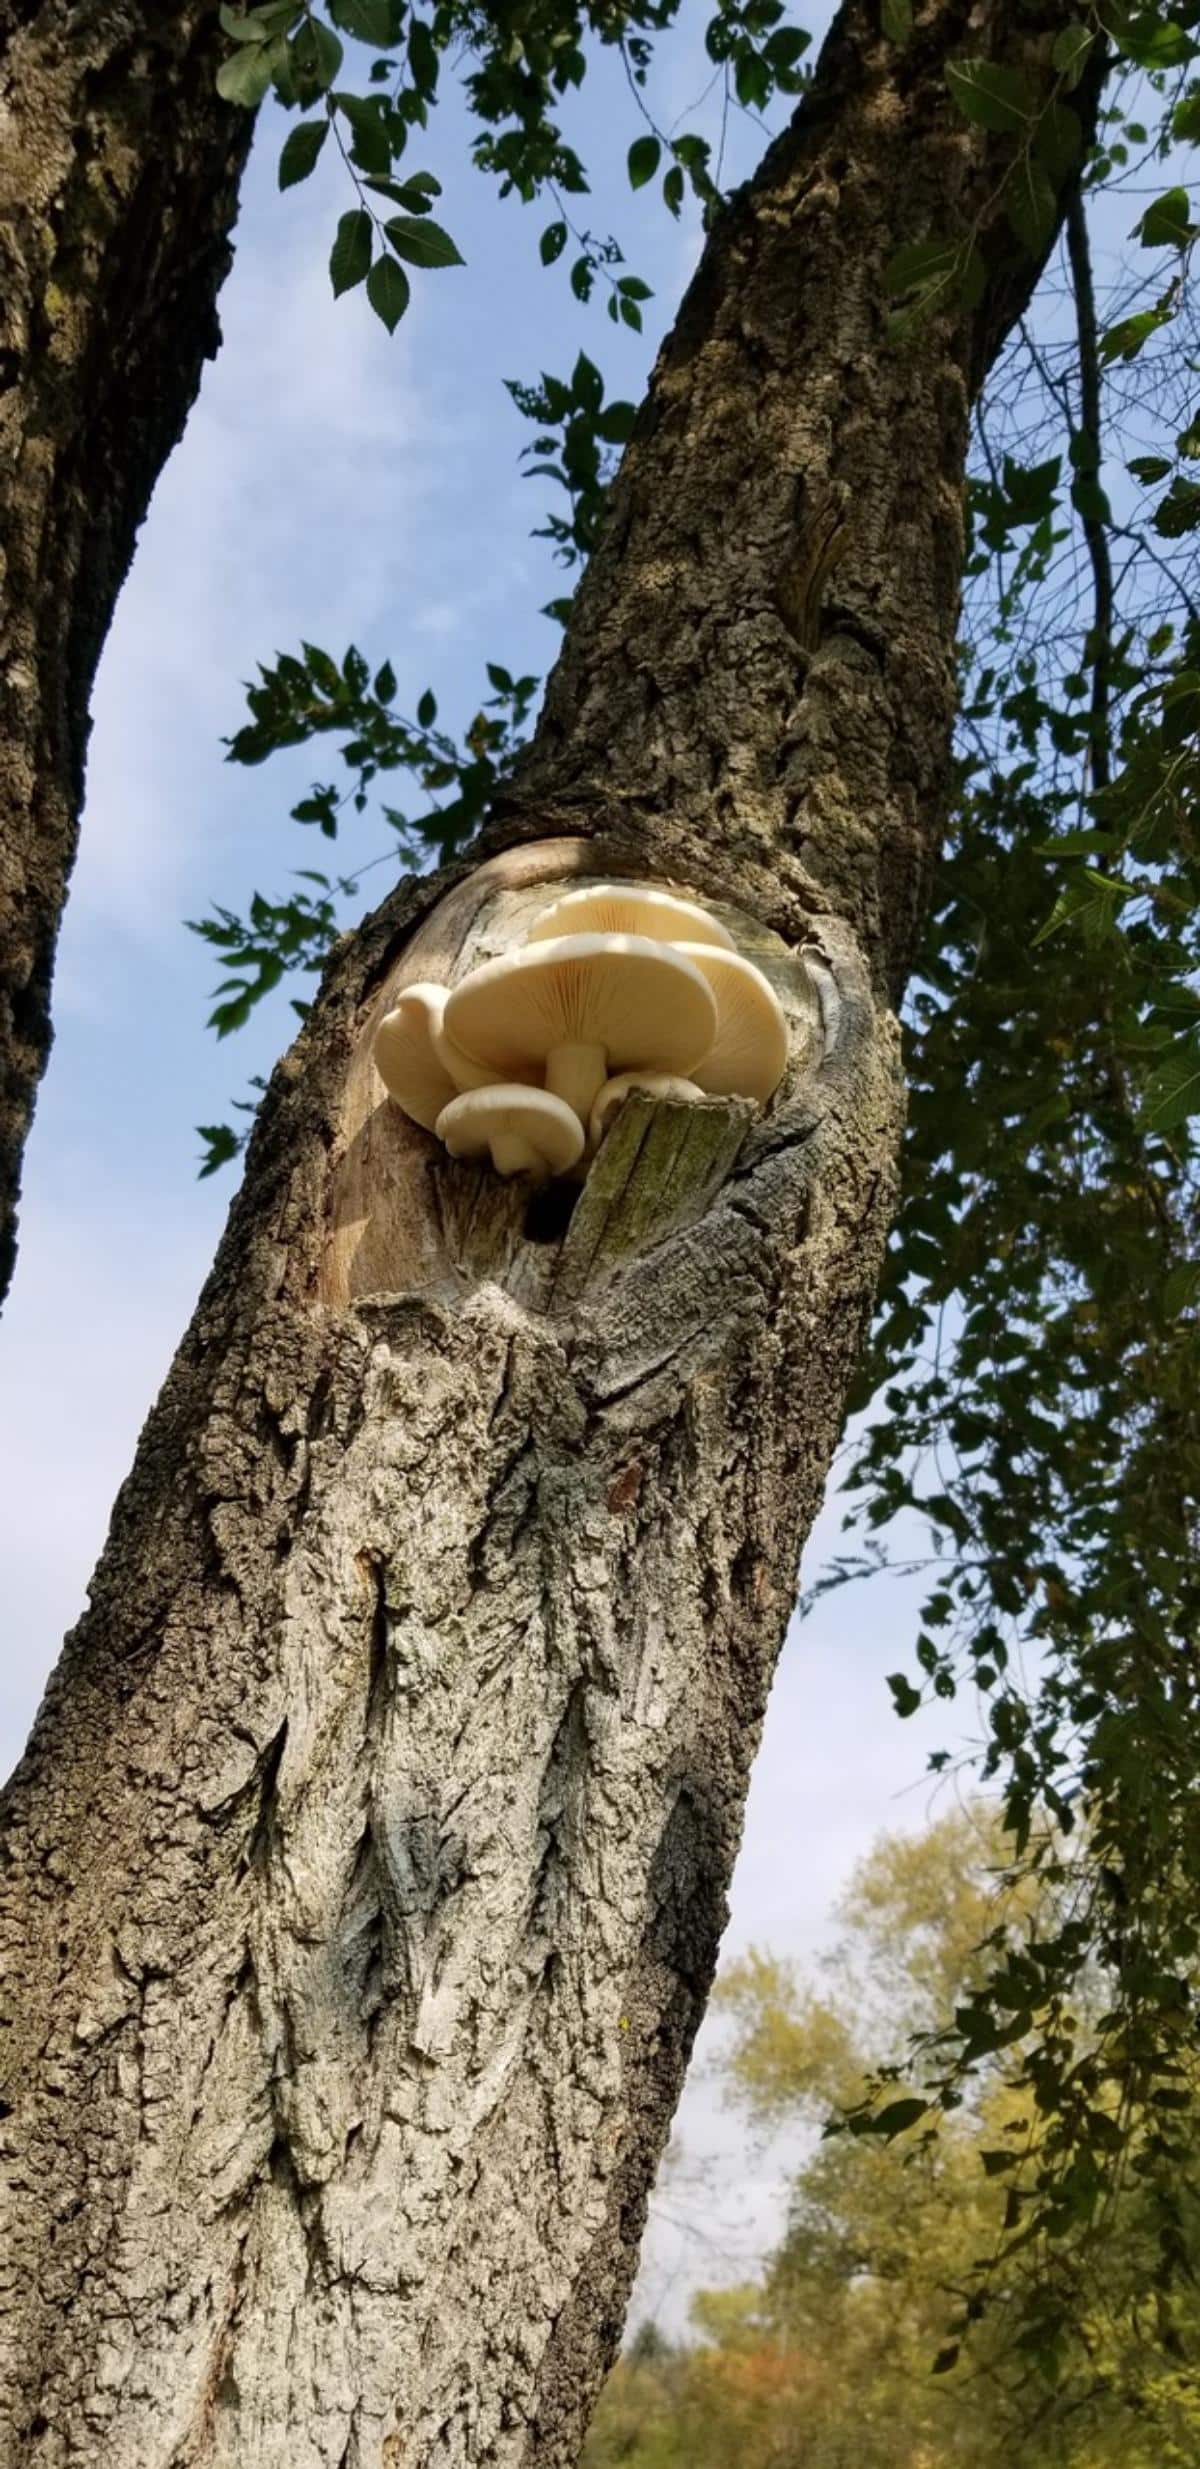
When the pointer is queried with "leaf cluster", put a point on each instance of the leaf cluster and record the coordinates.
(517, 65)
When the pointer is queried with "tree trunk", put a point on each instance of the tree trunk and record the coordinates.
(119, 170)
(364, 1877)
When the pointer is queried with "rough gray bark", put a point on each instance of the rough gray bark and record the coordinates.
(363, 1880)
(119, 169)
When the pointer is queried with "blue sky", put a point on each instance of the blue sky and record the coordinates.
(334, 484)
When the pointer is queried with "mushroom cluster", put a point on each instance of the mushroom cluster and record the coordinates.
(529, 1058)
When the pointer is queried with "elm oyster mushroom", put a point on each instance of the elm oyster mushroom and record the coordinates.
(629, 908)
(666, 1085)
(420, 1067)
(407, 1058)
(748, 1056)
(523, 1131)
(581, 1005)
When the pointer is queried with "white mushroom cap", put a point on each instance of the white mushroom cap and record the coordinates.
(614, 1093)
(523, 1131)
(406, 1055)
(581, 1004)
(628, 908)
(748, 1056)
(462, 1072)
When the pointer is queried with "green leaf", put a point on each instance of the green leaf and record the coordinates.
(1125, 340)
(301, 148)
(1174, 1092)
(350, 256)
(645, 155)
(427, 709)
(370, 143)
(1185, 120)
(224, 1144)
(1181, 708)
(373, 21)
(245, 76)
(1075, 844)
(1167, 224)
(784, 50)
(1179, 511)
(239, 27)
(1070, 52)
(410, 194)
(552, 243)
(389, 292)
(1180, 1289)
(945, 2359)
(751, 79)
(897, 20)
(898, 2117)
(423, 58)
(587, 385)
(315, 56)
(1154, 41)
(905, 1698)
(615, 423)
(1031, 204)
(1058, 139)
(422, 243)
(992, 96)
(920, 265)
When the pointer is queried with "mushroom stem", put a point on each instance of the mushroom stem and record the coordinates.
(513, 1155)
(577, 1074)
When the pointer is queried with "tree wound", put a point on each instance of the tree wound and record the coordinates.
(405, 1216)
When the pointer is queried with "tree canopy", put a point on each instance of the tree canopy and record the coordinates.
(838, 2354)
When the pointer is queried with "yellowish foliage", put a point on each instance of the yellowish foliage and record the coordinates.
(827, 2362)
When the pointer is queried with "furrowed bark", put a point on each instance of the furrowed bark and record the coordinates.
(119, 169)
(363, 1880)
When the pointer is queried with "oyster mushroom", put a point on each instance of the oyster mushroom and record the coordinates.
(614, 1093)
(628, 908)
(748, 1055)
(523, 1131)
(407, 1058)
(581, 1004)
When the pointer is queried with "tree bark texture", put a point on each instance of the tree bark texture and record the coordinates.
(119, 170)
(362, 1883)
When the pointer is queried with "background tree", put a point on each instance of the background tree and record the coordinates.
(827, 2360)
(119, 171)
